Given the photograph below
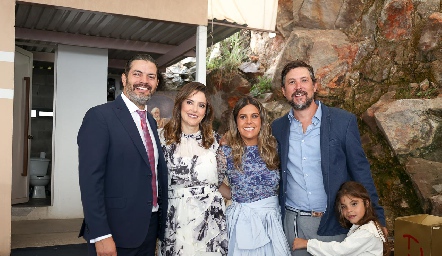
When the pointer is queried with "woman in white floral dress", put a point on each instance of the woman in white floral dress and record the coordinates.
(195, 222)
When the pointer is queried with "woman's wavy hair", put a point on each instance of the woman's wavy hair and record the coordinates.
(172, 130)
(357, 190)
(267, 144)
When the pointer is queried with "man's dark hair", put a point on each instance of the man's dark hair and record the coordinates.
(296, 64)
(145, 57)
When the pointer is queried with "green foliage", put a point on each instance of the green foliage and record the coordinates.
(232, 54)
(409, 92)
(263, 85)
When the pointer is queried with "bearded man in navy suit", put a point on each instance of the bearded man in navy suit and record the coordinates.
(319, 148)
(123, 178)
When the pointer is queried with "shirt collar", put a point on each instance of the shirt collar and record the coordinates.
(316, 117)
(196, 135)
(129, 104)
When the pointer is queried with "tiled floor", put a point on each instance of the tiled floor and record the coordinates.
(37, 233)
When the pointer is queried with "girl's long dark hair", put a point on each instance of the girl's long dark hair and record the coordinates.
(357, 190)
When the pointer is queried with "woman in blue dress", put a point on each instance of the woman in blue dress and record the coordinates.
(251, 162)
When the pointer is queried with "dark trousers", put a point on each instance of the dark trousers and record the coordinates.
(147, 248)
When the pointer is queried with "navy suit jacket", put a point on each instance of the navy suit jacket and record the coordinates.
(342, 159)
(115, 176)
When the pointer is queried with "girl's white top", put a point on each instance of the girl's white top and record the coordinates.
(360, 241)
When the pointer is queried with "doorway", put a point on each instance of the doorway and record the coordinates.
(42, 123)
(36, 142)
(21, 126)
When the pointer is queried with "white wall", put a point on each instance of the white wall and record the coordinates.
(80, 83)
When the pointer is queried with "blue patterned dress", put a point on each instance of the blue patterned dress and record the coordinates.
(253, 220)
(195, 222)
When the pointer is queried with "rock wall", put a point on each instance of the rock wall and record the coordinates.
(362, 49)
(381, 60)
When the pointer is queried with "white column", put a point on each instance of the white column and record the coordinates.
(80, 83)
(201, 48)
(7, 41)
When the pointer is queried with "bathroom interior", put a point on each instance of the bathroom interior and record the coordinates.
(42, 99)
(40, 166)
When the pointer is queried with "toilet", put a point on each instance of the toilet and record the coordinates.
(38, 176)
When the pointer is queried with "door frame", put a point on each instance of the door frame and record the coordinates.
(21, 143)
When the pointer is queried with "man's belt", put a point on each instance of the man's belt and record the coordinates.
(304, 213)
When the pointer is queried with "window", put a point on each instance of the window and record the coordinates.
(42, 113)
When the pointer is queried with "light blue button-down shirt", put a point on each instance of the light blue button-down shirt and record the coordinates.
(305, 187)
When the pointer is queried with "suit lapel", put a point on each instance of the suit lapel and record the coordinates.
(325, 144)
(285, 131)
(122, 112)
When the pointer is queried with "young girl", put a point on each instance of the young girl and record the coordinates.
(356, 211)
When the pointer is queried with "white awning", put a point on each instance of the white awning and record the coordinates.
(256, 14)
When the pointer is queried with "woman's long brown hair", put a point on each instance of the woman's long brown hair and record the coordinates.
(267, 144)
(172, 130)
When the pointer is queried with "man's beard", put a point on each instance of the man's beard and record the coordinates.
(301, 106)
(138, 99)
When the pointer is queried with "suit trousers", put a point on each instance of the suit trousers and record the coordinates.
(307, 228)
(147, 248)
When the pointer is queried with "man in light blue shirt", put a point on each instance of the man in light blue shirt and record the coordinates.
(304, 178)
(320, 149)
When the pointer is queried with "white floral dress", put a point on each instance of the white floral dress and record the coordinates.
(196, 223)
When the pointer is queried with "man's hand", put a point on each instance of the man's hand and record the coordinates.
(299, 243)
(106, 247)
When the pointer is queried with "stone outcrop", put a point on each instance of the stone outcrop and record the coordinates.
(413, 129)
(395, 21)
(411, 125)
(431, 34)
(381, 60)
(179, 74)
(318, 13)
(427, 179)
(360, 48)
(328, 51)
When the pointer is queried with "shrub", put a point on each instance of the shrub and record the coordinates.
(263, 85)
(232, 53)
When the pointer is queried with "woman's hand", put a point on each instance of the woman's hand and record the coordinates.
(225, 191)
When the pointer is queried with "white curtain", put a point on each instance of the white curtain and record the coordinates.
(256, 14)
